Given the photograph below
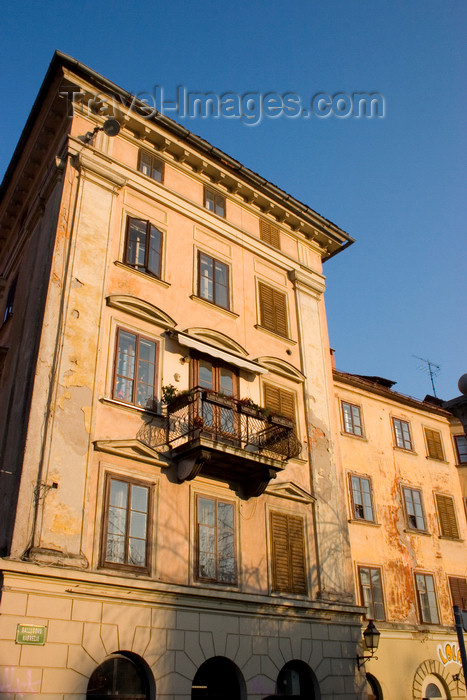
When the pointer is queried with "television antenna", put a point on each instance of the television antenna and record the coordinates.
(431, 368)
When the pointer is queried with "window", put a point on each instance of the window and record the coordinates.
(434, 445)
(143, 249)
(273, 309)
(461, 448)
(151, 166)
(10, 300)
(280, 401)
(221, 379)
(371, 592)
(352, 419)
(213, 280)
(287, 553)
(214, 201)
(126, 530)
(215, 540)
(426, 598)
(269, 233)
(414, 509)
(360, 490)
(458, 588)
(447, 516)
(135, 369)
(402, 434)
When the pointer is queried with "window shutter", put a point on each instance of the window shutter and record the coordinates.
(297, 554)
(447, 516)
(279, 401)
(273, 309)
(288, 553)
(458, 588)
(269, 233)
(434, 445)
(280, 553)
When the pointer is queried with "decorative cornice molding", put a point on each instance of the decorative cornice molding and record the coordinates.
(313, 283)
(100, 174)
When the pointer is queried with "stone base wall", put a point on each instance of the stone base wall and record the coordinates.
(83, 629)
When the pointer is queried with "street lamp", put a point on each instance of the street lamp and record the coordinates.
(371, 638)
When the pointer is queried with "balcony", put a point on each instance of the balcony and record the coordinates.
(216, 435)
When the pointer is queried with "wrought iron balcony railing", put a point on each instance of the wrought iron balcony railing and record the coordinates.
(224, 419)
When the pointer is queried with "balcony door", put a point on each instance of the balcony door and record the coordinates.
(218, 383)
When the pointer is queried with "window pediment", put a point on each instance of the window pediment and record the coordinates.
(141, 309)
(282, 368)
(131, 449)
(213, 337)
(288, 489)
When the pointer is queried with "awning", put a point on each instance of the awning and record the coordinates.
(224, 355)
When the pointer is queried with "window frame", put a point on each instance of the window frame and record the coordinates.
(458, 452)
(452, 524)
(118, 566)
(144, 269)
(418, 593)
(276, 294)
(138, 336)
(371, 613)
(154, 159)
(217, 196)
(413, 490)
(290, 588)
(360, 414)
(436, 441)
(216, 580)
(401, 421)
(354, 516)
(228, 275)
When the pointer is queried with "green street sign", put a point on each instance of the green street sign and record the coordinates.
(30, 634)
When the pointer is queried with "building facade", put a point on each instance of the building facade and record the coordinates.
(170, 490)
(408, 529)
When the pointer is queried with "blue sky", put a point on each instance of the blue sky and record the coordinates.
(396, 184)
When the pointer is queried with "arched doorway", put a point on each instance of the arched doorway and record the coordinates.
(122, 676)
(218, 679)
(297, 680)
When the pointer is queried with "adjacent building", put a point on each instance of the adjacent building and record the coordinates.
(171, 493)
(401, 460)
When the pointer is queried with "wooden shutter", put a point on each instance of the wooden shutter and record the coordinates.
(447, 516)
(434, 445)
(269, 233)
(273, 309)
(458, 588)
(279, 401)
(288, 553)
